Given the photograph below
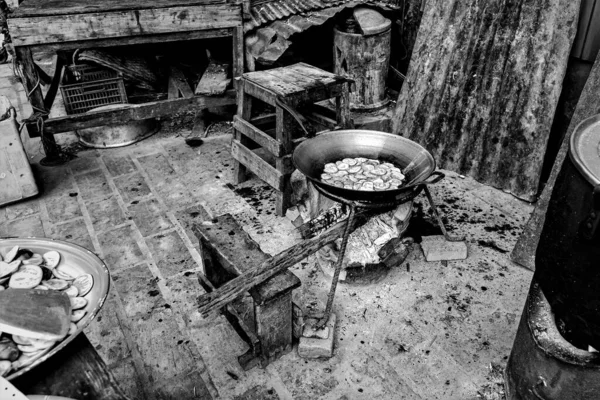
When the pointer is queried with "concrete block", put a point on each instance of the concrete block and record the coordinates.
(312, 348)
(436, 248)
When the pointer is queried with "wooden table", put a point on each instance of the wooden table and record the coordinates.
(63, 25)
(76, 372)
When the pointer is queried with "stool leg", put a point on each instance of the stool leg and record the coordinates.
(342, 103)
(244, 111)
(284, 132)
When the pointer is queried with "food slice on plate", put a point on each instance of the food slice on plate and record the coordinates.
(84, 283)
(8, 268)
(27, 277)
(12, 253)
(51, 258)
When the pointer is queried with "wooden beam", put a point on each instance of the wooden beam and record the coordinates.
(257, 165)
(134, 112)
(27, 31)
(236, 287)
(260, 137)
(127, 41)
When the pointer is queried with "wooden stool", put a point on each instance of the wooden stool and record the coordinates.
(295, 86)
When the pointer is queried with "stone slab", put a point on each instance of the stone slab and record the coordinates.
(74, 231)
(138, 290)
(132, 186)
(119, 248)
(28, 226)
(118, 165)
(63, 208)
(436, 248)
(92, 185)
(148, 216)
(170, 253)
(106, 214)
(312, 348)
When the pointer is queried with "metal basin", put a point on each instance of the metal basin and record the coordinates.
(77, 261)
(416, 163)
(119, 134)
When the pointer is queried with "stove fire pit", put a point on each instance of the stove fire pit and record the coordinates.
(416, 163)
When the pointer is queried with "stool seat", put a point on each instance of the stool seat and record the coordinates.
(293, 86)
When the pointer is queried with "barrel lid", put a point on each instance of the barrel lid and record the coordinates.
(585, 149)
(370, 21)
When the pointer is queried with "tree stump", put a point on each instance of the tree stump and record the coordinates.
(483, 84)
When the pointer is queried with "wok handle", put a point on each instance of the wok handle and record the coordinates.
(437, 176)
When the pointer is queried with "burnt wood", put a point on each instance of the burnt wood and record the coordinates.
(260, 273)
(483, 84)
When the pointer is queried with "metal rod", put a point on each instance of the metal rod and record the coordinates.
(439, 218)
(338, 268)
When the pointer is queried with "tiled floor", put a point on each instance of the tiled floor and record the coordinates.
(428, 331)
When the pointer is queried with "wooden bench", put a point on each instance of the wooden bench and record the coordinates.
(228, 252)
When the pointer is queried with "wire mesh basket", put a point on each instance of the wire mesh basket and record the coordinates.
(85, 87)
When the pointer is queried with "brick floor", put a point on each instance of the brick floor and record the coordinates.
(430, 333)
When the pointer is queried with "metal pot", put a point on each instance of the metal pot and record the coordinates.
(117, 135)
(568, 254)
(416, 163)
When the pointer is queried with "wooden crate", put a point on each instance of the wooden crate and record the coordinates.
(16, 178)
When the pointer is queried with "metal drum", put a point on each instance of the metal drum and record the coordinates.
(568, 254)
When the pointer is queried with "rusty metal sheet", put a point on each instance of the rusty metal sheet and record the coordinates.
(267, 43)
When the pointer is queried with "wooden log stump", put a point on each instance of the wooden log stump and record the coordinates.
(483, 84)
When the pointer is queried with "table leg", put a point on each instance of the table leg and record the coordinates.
(32, 86)
(76, 371)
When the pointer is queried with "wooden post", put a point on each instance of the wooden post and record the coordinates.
(36, 99)
(244, 111)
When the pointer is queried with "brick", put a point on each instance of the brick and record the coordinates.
(125, 374)
(28, 226)
(318, 348)
(75, 232)
(106, 214)
(148, 216)
(170, 254)
(132, 187)
(105, 333)
(22, 209)
(164, 179)
(119, 165)
(261, 392)
(138, 290)
(119, 248)
(93, 185)
(436, 248)
(63, 208)
(86, 161)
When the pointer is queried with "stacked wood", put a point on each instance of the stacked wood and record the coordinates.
(215, 79)
(133, 67)
(483, 84)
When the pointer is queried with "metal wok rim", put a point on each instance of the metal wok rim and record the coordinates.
(402, 194)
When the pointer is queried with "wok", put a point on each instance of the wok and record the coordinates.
(416, 163)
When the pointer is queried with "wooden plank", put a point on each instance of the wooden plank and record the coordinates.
(29, 8)
(257, 165)
(214, 80)
(278, 86)
(312, 90)
(314, 73)
(260, 137)
(134, 112)
(127, 41)
(244, 110)
(238, 49)
(236, 287)
(260, 92)
(64, 28)
(178, 86)
(77, 372)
